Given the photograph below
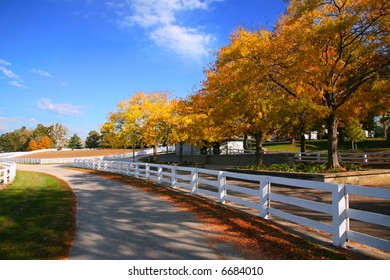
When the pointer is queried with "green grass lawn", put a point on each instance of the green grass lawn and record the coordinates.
(37, 218)
(369, 145)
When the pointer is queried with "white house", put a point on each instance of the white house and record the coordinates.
(224, 148)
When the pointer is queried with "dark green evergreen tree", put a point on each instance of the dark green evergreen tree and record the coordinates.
(93, 140)
(75, 142)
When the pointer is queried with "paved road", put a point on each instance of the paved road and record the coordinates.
(115, 221)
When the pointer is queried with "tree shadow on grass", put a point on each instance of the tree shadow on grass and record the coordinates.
(37, 220)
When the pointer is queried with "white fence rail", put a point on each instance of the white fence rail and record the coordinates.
(7, 172)
(229, 187)
(355, 158)
(14, 157)
(47, 160)
(144, 152)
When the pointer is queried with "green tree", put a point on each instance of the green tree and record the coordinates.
(75, 142)
(93, 140)
(16, 140)
(355, 133)
(40, 131)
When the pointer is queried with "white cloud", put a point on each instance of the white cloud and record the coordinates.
(154, 12)
(8, 73)
(16, 80)
(182, 40)
(41, 73)
(2, 61)
(62, 109)
(18, 84)
(159, 19)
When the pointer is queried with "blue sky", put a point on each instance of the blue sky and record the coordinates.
(73, 61)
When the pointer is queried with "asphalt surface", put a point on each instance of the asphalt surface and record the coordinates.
(116, 221)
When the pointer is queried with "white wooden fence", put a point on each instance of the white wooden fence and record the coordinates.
(47, 160)
(355, 158)
(14, 157)
(7, 172)
(231, 188)
(138, 154)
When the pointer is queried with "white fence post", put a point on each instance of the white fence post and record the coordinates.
(173, 177)
(128, 168)
(365, 160)
(265, 189)
(159, 174)
(12, 172)
(147, 171)
(5, 176)
(194, 180)
(136, 169)
(221, 187)
(339, 219)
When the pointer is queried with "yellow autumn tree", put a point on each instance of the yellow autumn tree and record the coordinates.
(244, 102)
(202, 130)
(111, 138)
(334, 49)
(144, 117)
(182, 122)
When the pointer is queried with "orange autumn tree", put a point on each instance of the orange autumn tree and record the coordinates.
(244, 102)
(202, 129)
(32, 145)
(45, 143)
(182, 121)
(335, 49)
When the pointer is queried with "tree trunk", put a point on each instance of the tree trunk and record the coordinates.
(245, 144)
(333, 159)
(303, 142)
(259, 152)
(155, 149)
(181, 152)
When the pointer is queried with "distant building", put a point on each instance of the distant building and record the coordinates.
(312, 136)
(223, 148)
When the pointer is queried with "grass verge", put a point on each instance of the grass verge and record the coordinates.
(254, 237)
(37, 218)
(304, 168)
(315, 146)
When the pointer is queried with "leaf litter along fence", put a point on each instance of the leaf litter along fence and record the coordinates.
(261, 193)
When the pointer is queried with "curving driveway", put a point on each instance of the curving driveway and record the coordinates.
(116, 221)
